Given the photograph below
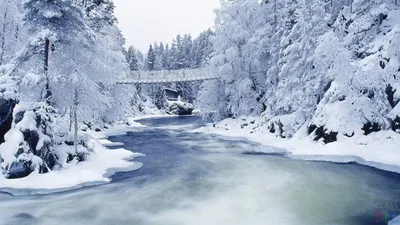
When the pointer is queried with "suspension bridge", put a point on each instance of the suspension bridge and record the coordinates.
(169, 76)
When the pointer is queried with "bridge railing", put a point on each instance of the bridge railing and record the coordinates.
(168, 74)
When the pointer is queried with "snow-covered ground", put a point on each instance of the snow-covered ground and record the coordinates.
(103, 163)
(380, 150)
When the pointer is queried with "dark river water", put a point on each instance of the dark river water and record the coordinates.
(198, 179)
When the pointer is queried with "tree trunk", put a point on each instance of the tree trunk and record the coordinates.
(71, 112)
(3, 35)
(47, 92)
(153, 96)
(76, 121)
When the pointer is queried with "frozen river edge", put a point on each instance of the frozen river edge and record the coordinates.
(103, 164)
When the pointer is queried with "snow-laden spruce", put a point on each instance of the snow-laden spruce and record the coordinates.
(329, 67)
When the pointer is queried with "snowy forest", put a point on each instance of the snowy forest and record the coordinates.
(58, 64)
(183, 53)
(307, 67)
(318, 68)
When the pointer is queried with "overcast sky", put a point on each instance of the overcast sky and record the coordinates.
(146, 21)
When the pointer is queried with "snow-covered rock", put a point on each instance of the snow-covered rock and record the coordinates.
(179, 108)
(24, 146)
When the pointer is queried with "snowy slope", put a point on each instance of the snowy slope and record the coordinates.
(332, 69)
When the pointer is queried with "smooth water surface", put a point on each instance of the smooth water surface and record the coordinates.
(198, 179)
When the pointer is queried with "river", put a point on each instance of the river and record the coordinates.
(199, 179)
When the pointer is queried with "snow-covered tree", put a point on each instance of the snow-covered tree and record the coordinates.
(71, 55)
(166, 59)
(330, 66)
(202, 48)
(236, 57)
(132, 59)
(151, 59)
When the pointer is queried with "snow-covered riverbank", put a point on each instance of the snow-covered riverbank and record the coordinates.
(102, 164)
(380, 150)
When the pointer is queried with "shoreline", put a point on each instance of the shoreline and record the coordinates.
(304, 148)
(98, 170)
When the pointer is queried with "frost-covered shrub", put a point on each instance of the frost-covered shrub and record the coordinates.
(26, 148)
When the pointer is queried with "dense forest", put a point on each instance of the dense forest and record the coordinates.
(307, 67)
(182, 53)
(58, 64)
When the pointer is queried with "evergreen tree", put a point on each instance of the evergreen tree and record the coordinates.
(141, 60)
(156, 48)
(101, 12)
(161, 99)
(132, 59)
(187, 46)
(52, 22)
(202, 48)
(161, 50)
(167, 57)
(151, 59)
(161, 57)
(180, 53)
(174, 56)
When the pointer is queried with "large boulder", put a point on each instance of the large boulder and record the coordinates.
(20, 169)
(179, 108)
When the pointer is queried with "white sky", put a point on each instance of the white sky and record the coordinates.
(145, 21)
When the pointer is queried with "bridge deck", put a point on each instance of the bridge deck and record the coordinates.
(173, 76)
(164, 81)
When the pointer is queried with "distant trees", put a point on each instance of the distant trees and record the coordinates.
(151, 58)
(183, 53)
